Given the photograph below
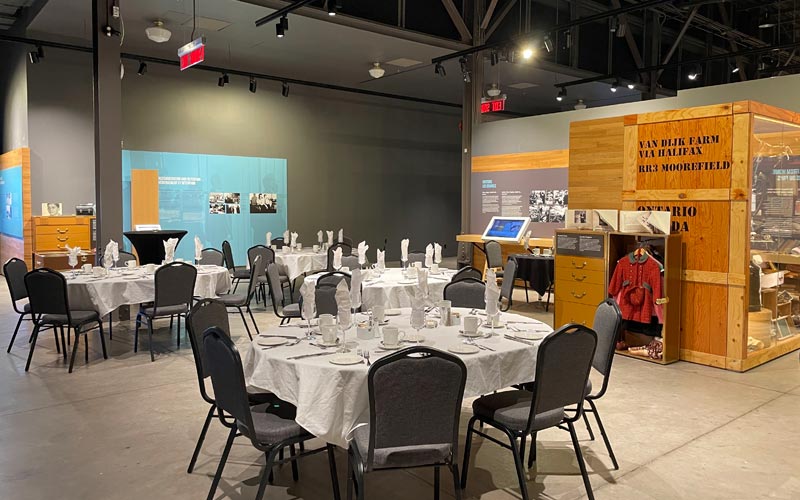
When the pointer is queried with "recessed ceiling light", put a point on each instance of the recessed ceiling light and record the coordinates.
(522, 85)
(403, 62)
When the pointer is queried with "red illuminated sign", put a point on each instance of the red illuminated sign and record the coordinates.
(192, 53)
(493, 106)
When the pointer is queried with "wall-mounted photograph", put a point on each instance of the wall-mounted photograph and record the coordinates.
(52, 209)
(263, 203)
(224, 203)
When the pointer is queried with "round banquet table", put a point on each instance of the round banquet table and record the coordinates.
(149, 245)
(392, 289)
(297, 263)
(133, 286)
(332, 400)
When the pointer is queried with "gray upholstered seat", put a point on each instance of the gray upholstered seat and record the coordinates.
(466, 293)
(401, 456)
(270, 428)
(77, 317)
(166, 310)
(512, 408)
(233, 300)
(494, 254)
(416, 256)
(292, 310)
(350, 262)
(282, 310)
(507, 288)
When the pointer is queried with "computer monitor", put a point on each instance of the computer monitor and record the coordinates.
(510, 229)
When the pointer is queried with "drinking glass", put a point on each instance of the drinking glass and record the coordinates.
(417, 320)
(72, 260)
(309, 311)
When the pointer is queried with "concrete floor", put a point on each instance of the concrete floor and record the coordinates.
(124, 428)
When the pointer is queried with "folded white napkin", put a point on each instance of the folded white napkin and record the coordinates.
(343, 304)
(362, 253)
(309, 301)
(319, 237)
(404, 250)
(73, 253)
(355, 288)
(169, 249)
(492, 294)
(269, 239)
(341, 235)
(418, 299)
(198, 249)
(108, 255)
(330, 238)
(286, 237)
(429, 255)
(293, 240)
(337, 258)
(422, 282)
(527, 242)
(437, 253)
(381, 259)
(115, 250)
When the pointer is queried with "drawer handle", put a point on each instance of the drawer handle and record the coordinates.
(62, 231)
(579, 278)
(576, 266)
(578, 295)
(63, 239)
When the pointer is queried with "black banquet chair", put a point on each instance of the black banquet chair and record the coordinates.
(467, 272)
(562, 371)
(212, 257)
(415, 398)
(325, 292)
(507, 287)
(269, 429)
(14, 271)
(286, 312)
(47, 293)
(238, 273)
(467, 292)
(346, 250)
(174, 284)
(241, 301)
(416, 256)
(494, 256)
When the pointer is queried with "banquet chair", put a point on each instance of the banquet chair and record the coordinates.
(237, 273)
(348, 241)
(346, 250)
(15, 270)
(212, 257)
(467, 272)
(467, 292)
(241, 301)
(47, 293)
(206, 314)
(415, 398)
(268, 256)
(174, 284)
(325, 292)
(416, 256)
(350, 262)
(278, 242)
(494, 256)
(285, 312)
(507, 287)
(607, 325)
(563, 362)
(270, 429)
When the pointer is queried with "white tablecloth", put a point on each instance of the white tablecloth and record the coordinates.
(296, 264)
(331, 399)
(134, 287)
(393, 290)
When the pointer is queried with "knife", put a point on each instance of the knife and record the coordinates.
(314, 355)
(292, 337)
(519, 340)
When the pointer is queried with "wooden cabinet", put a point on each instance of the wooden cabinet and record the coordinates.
(60, 260)
(53, 234)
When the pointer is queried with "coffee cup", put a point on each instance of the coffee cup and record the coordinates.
(299, 246)
(327, 320)
(87, 268)
(418, 265)
(547, 251)
(328, 333)
(378, 313)
(130, 264)
(315, 248)
(150, 268)
(99, 272)
(392, 336)
(435, 268)
(363, 332)
(537, 251)
(471, 325)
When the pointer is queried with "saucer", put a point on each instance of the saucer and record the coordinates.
(497, 327)
(322, 343)
(473, 335)
(271, 341)
(414, 338)
(463, 349)
(346, 359)
(390, 347)
(392, 312)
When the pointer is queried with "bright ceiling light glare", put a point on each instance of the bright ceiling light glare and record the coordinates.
(253, 84)
(527, 53)
(561, 94)
(439, 70)
(332, 8)
(694, 73)
(735, 70)
(279, 31)
(631, 86)
(766, 20)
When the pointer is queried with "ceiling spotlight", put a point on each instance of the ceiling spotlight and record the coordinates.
(142, 68)
(561, 94)
(494, 58)
(493, 91)
(158, 33)
(613, 24)
(35, 56)
(253, 84)
(735, 69)
(766, 20)
(285, 23)
(694, 73)
(614, 85)
(332, 8)
(376, 71)
(223, 80)
(621, 29)
(527, 53)
(280, 31)
(631, 86)
(439, 70)
(580, 104)
(548, 45)
(285, 89)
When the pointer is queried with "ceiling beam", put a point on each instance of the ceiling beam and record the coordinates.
(282, 12)
(499, 19)
(489, 13)
(632, 46)
(723, 12)
(678, 39)
(458, 21)
(26, 15)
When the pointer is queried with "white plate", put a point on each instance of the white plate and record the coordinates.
(528, 335)
(463, 349)
(407, 282)
(473, 335)
(346, 359)
(489, 327)
(414, 338)
(271, 341)
(322, 343)
(391, 347)
(392, 312)
(131, 277)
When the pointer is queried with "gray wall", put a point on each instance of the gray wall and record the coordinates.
(61, 124)
(13, 97)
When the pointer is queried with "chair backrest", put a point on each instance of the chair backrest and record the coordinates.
(224, 366)
(415, 398)
(227, 254)
(274, 283)
(346, 250)
(277, 242)
(267, 255)
(257, 268)
(509, 272)
(212, 257)
(348, 241)
(494, 254)
(563, 363)
(467, 272)
(415, 256)
(350, 262)
(325, 292)
(126, 257)
(47, 292)
(607, 324)
(466, 293)
(15, 270)
(174, 285)
(205, 314)
(464, 253)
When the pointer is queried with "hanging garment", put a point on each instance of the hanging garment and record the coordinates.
(637, 282)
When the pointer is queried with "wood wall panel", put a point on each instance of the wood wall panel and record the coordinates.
(144, 197)
(596, 158)
(686, 113)
(704, 318)
(557, 158)
(13, 247)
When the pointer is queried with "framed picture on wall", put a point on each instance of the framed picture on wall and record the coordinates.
(263, 203)
(52, 209)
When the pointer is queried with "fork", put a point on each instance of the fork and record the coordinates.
(366, 356)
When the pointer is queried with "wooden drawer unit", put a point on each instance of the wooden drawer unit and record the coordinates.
(53, 234)
(582, 276)
(570, 312)
(580, 293)
(578, 263)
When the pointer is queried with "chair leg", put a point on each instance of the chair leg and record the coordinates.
(19, 322)
(110, 331)
(136, 333)
(171, 321)
(523, 482)
(522, 444)
(588, 426)
(334, 476)
(295, 472)
(456, 482)
(258, 332)
(103, 339)
(532, 454)
(467, 448)
(222, 460)
(603, 433)
(58, 344)
(581, 463)
(179, 331)
(85, 344)
(202, 438)
(33, 346)
(262, 487)
(74, 349)
(526, 292)
(64, 342)
(436, 485)
(150, 338)
(247, 328)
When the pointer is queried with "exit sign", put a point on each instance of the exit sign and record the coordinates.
(192, 53)
(493, 106)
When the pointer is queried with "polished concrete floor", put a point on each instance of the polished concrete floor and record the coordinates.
(124, 428)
